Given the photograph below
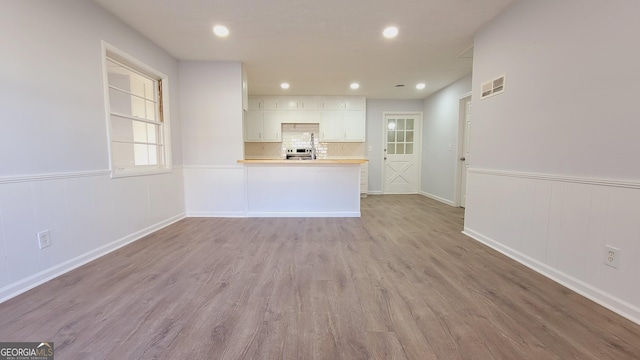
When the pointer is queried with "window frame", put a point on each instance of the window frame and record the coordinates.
(111, 52)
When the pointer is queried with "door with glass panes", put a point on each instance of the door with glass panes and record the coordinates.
(400, 153)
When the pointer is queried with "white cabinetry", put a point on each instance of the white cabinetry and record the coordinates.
(333, 104)
(272, 127)
(355, 103)
(364, 179)
(270, 104)
(354, 126)
(341, 119)
(262, 126)
(253, 126)
(256, 104)
(342, 126)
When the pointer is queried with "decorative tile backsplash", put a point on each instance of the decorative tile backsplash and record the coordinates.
(299, 136)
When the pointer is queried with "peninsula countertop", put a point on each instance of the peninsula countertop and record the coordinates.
(305, 162)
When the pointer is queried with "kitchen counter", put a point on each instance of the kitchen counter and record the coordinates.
(307, 162)
(303, 188)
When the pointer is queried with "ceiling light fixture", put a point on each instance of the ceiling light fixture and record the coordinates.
(390, 32)
(355, 85)
(420, 86)
(221, 30)
(284, 85)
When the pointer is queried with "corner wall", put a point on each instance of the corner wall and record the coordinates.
(440, 141)
(54, 170)
(211, 95)
(553, 177)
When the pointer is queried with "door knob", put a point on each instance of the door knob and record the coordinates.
(462, 158)
(385, 158)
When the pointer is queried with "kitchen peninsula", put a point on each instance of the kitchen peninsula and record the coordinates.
(304, 156)
(303, 188)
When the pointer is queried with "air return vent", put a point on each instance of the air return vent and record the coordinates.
(493, 87)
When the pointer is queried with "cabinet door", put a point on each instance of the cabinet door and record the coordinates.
(270, 104)
(308, 104)
(355, 103)
(272, 127)
(354, 126)
(253, 126)
(255, 104)
(288, 104)
(332, 104)
(331, 126)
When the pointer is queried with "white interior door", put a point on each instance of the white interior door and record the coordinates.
(465, 153)
(400, 158)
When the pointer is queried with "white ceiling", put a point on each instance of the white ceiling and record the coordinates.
(320, 47)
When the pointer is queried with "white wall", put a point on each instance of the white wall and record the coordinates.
(375, 133)
(211, 96)
(53, 143)
(440, 141)
(553, 175)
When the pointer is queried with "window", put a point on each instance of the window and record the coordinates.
(136, 114)
(400, 136)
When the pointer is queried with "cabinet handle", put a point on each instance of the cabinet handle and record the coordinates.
(259, 135)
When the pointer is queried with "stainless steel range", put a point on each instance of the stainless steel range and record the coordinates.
(299, 154)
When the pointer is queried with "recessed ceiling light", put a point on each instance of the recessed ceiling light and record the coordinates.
(355, 85)
(220, 30)
(420, 86)
(284, 85)
(390, 32)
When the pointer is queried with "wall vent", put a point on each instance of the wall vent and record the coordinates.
(493, 87)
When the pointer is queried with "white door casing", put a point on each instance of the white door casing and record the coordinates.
(401, 158)
(464, 153)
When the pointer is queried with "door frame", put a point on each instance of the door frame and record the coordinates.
(417, 149)
(462, 118)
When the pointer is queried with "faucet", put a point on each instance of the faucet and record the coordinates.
(313, 149)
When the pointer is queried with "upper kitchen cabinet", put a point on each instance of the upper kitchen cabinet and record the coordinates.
(355, 103)
(298, 103)
(271, 104)
(341, 118)
(261, 104)
(342, 126)
(262, 126)
(256, 104)
(253, 123)
(354, 126)
(332, 103)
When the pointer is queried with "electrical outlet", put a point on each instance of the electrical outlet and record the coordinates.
(44, 239)
(612, 256)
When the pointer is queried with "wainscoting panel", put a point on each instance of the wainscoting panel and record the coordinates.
(559, 226)
(87, 214)
(215, 191)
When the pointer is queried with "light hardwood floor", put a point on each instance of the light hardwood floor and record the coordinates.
(401, 282)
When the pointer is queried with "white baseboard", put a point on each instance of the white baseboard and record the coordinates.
(438, 198)
(32, 281)
(598, 296)
(375, 192)
(304, 214)
(219, 214)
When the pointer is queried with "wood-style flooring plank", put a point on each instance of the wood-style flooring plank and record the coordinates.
(401, 282)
